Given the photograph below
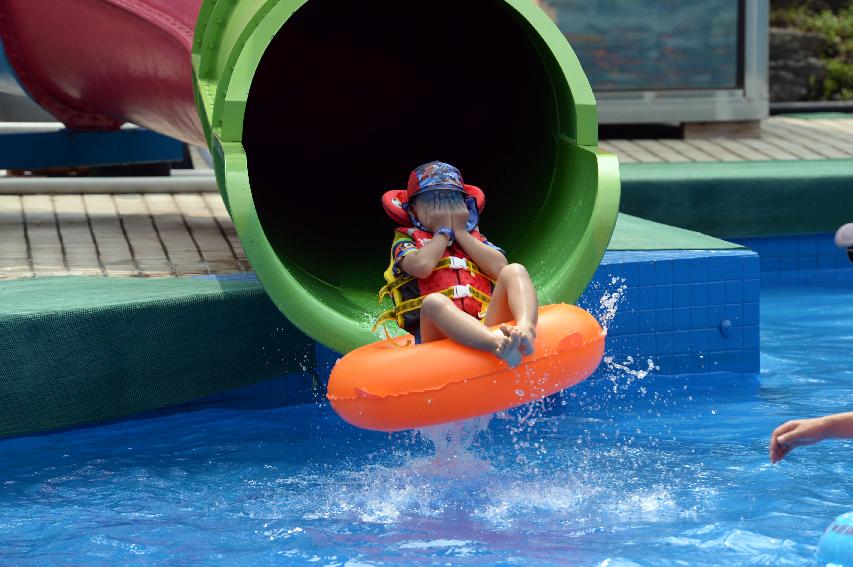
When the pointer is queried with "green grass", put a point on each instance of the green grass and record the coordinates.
(837, 27)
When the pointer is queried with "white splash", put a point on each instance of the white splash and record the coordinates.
(608, 303)
(624, 369)
(452, 442)
(622, 374)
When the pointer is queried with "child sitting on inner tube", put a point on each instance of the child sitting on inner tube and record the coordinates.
(445, 278)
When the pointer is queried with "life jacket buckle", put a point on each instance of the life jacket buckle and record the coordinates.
(457, 263)
(461, 291)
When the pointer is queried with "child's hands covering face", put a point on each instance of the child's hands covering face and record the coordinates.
(459, 218)
(433, 219)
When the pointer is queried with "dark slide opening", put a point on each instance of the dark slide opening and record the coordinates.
(350, 96)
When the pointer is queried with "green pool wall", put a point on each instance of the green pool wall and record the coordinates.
(742, 199)
(83, 349)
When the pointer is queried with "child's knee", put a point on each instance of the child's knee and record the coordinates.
(434, 302)
(514, 271)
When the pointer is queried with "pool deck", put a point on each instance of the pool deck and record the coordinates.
(783, 138)
(125, 235)
(796, 179)
(669, 181)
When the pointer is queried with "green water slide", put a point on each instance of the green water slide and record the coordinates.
(314, 108)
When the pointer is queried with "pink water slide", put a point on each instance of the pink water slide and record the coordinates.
(96, 64)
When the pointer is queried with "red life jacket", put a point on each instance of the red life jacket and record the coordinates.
(455, 276)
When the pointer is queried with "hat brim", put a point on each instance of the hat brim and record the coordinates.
(393, 201)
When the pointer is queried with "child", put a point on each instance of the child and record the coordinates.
(445, 278)
(799, 432)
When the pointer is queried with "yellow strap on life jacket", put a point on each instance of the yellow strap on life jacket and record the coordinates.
(392, 341)
(448, 262)
(453, 292)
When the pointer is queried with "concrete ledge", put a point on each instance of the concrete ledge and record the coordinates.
(743, 199)
(633, 233)
(77, 350)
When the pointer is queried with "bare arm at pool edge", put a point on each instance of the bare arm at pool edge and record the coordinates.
(799, 432)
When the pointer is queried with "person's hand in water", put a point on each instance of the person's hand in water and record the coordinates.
(796, 433)
(801, 432)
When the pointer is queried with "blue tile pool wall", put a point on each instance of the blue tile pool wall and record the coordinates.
(688, 311)
(801, 254)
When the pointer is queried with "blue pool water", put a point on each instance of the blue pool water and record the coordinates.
(624, 470)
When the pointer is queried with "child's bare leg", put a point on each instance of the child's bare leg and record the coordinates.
(440, 318)
(514, 298)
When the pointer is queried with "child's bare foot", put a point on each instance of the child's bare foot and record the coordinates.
(506, 346)
(528, 338)
(526, 334)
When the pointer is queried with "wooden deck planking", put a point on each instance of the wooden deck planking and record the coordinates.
(624, 157)
(14, 249)
(212, 244)
(114, 250)
(774, 152)
(799, 149)
(45, 246)
(148, 250)
(717, 151)
(694, 153)
(175, 235)
(220, 213)
(637, 152)
(783, 138)
(81, 253)
(812, 141)
(667, 153)
(827, 135)
(117, 235)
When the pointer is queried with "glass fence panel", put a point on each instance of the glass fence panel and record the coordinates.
(652, 44)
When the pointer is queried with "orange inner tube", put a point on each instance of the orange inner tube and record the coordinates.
(387, 387)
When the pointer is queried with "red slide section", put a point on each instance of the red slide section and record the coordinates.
(95, 64)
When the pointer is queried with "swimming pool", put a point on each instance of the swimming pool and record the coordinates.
(648, 471)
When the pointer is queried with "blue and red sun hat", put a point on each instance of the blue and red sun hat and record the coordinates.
(432, 176)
